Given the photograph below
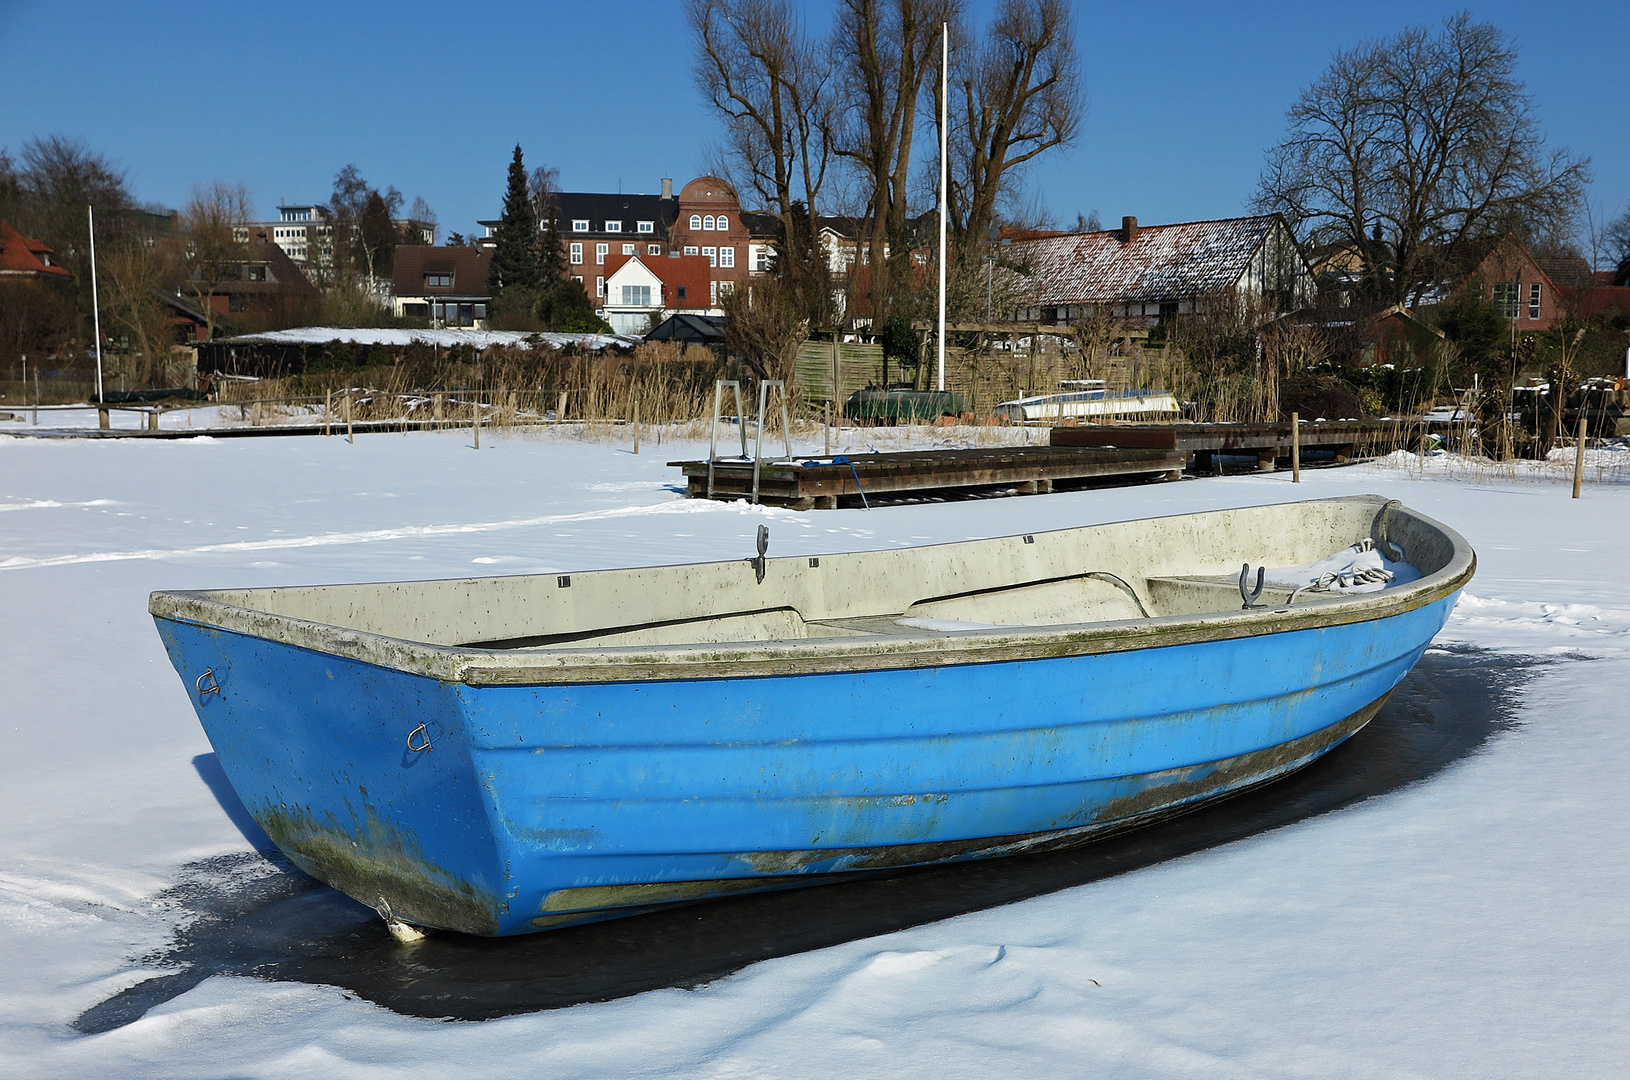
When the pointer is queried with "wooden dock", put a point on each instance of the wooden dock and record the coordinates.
(820, 483)
(1200, 444)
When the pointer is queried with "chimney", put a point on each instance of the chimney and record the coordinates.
(1129, 229)
(667, 187)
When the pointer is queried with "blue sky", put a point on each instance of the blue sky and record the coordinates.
(1184, 98)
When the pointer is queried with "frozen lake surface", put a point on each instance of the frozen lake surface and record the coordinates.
(1465, 919)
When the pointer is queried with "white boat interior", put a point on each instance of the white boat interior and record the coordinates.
(1148, 571)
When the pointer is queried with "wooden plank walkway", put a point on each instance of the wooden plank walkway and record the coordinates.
(819, 483)
(1268, 443)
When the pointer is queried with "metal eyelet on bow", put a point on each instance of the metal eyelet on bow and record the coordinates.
(418, 731)
(214, 686)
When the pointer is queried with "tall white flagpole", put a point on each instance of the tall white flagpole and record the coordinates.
(96, 304)
(945, 129)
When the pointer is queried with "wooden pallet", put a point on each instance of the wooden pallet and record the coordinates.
(1267, 442)
(819, 483)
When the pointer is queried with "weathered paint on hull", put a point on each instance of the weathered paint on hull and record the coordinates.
(543, 805)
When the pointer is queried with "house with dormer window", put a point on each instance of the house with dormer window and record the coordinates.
(447, 286)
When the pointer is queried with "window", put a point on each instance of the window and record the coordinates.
(1505, 297)
(693, 250)
(578, 278)
(727, 256)
(600, 253)
(580, 224)
(696, 221)
(614, 226)
(653, 249)
(416, 311)
(438, 281)
(628, 249)
(646, 226)
(599, 286)
(481, 311)
(726, 288)
(577, 254)
(722, 224)
(1533, 300)
(255, 273)
(761, 259)
(238, 303)
(637, 295)
(712, 255)
(681, 291)
(713, 293)
(707, 222)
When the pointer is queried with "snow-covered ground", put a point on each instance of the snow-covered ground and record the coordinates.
(1472, 925)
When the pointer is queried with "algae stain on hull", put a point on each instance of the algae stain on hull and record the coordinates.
(377, 860)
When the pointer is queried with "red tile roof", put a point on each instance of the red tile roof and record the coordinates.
(20, 255)
(691, 271)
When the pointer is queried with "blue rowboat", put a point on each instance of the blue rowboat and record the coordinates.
(508, 754)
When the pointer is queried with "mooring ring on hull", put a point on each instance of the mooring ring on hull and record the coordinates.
(418, 731)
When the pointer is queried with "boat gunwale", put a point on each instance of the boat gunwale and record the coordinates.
(478, 667)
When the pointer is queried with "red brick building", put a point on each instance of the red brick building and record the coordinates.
(703, 220)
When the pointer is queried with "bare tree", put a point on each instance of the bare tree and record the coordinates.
(1615, 244)
(762, 75)
(885, 51)
(543, 184)
(1407, 147)
(1017, 97)
(132, 270)
(215, 219)
(765, 325)
(421, 220)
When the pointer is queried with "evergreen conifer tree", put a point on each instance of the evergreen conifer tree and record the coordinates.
(513, 273)
(562, 303)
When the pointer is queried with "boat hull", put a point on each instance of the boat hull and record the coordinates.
(546, 804)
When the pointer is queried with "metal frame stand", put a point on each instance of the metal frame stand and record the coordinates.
(713, 430)
(758, 438)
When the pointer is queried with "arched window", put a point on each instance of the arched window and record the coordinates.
(696, 221)
(707, 222)
(723, 225)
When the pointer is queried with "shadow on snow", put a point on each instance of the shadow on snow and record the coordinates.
(255, 915)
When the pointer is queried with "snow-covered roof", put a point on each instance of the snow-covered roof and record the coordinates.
(1162, 262)
(480, 339)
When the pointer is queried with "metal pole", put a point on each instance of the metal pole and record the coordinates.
(1295, 448)
(1579, 452)
(945, 129)
(96, 304)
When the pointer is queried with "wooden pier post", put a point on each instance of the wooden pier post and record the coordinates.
(349, 436)
(102, 417)
(475, 406)
(1579, 456)
(635, 409)
(328, 413)
(1295, 448)
(826, 425)
(560, 410)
